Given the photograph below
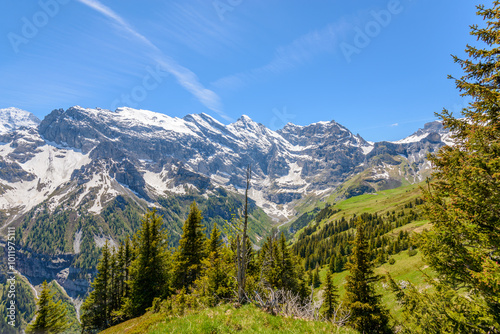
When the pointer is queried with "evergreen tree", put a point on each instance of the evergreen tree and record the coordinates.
(149, 271)
(279, 268)
(217, 281)
(331, 297)
(309, 278)
(252, 265)
(241, 246)
(115, 278)
(286, 271)
(367, 313)
(268, 259)
(96, 309)
(214, 243)
(125, 262)
(316, 282)
(191, 250)
(331, 264)
(339, 264)
(463, 202)
(50, 317)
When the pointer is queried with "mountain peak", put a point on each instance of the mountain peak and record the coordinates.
(14, 118)
(245, 119)
(245, 122)
(435, 127)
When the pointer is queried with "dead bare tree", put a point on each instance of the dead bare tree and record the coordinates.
(241, 246)
(288, 304)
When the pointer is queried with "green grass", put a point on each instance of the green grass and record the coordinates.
(416, 227)
(406, 268)
(380, 202)
(224, 319)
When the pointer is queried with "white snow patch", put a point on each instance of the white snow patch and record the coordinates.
(100, 241)
(77, 241)
(14, 118)
(411, 139)
(293, 177)
(133, 117)
(367, 149)
(51, 172)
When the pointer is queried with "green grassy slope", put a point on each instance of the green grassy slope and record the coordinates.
(383, 203)
(223, 319)
(380, 203)
(406, 268)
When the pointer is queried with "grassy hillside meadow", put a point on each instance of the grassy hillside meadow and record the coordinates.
(223, 319)
(406, 267)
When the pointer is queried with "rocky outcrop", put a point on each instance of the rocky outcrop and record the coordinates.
(12, 172)
(40, 267)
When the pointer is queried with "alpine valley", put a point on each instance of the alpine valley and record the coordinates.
(83, 176)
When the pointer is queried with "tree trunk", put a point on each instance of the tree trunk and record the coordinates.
(241, 250)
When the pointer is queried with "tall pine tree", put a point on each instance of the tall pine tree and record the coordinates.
(216, 282)
(280, 269)
(50, 317)
(95, 311)
(149, 271)
(463, 202)
(316, 281)
(330, 301)
(191, 250)
(367, 313)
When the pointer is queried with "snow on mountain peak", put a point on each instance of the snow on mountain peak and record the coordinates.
(131, 118)
(429, 128)
(14, 118)
(245, 118)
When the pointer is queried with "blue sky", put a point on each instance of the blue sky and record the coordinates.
(379, 67)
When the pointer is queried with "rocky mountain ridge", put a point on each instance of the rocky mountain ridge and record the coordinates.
(152, 154)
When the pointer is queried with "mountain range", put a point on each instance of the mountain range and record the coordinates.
(83, 176)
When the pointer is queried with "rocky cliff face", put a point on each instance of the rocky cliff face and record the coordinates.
(286, 164)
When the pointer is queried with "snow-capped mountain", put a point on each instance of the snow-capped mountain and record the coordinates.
(286, 164)
(151, 154)
(14, 118)
(435, 130)
(83, 176)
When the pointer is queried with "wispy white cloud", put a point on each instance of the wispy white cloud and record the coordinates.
(196, 25)
(287, 57)
(185, 77)
(393, 125)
